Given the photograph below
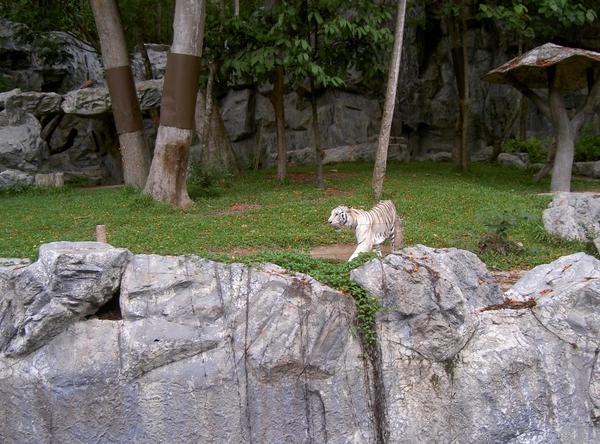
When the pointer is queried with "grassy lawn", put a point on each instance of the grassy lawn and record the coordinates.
(252, 213)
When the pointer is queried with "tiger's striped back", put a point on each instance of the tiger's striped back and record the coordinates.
(382, 218)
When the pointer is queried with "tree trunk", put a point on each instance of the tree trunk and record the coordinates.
(565, 137)
(566, 125)
(277, 101)
(216, 149)
(458, 37)
(390, 101)
(317, 131)
(168, 173)
(134, 149)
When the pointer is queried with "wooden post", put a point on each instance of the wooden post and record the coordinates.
(101, 233)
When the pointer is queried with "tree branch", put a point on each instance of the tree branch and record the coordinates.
(588, 106)
(543, 106)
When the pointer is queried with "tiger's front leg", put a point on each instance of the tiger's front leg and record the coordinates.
(363, 247)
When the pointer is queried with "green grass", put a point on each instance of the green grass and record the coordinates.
(441, 206)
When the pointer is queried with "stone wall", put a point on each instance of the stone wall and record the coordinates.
(99, 345)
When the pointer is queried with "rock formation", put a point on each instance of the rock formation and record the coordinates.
(200, 351)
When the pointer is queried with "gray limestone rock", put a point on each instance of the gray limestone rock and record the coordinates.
(205, 352)
(95, 102)
(10, 177)
(429, 296)
(589, 169)
(573, 215)
(20, 104)
(68, 282)
(21, 147)
(509, 382)
(208, 352)
(512, 160)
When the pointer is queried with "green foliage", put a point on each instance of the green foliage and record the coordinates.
(206, 182)
(587, 147)
(497, 224)
(248, 47)
(531, 18)
(143, 20)
(71, 16)
(531, 146)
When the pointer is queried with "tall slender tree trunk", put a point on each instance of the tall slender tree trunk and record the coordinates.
(523, 122)
(217, 152)
(278, 106)
(135, 153)
(317, 131)
(168, 173)
(388, 107)
(458, 37)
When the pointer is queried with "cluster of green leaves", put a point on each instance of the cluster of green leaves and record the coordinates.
(587, 147)
(249, 46)
(536, 148)
(531, 18)
(497, 225)
(206, 182)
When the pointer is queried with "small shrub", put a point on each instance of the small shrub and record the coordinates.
(587, 147)
(497, 224)
(206, 182)
(531, 146)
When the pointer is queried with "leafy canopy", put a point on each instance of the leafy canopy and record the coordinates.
(532, 18)
(247, 48)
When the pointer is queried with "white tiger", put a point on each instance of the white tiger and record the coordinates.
(370, 227)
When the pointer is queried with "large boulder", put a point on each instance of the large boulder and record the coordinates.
(523, 376)
(429, 297)
(57, 63)
(68, 282)
(96, 102)
(204, 352)
(573, 216)
(21, 147)
(10, 177)
(19, 104)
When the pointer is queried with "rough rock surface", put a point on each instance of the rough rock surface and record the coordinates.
(573, 215)
(68, 282)
(513, 160)
(429, 296)
(207, 352)
(21, 147)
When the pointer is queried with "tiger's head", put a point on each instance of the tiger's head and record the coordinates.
(339, 217)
